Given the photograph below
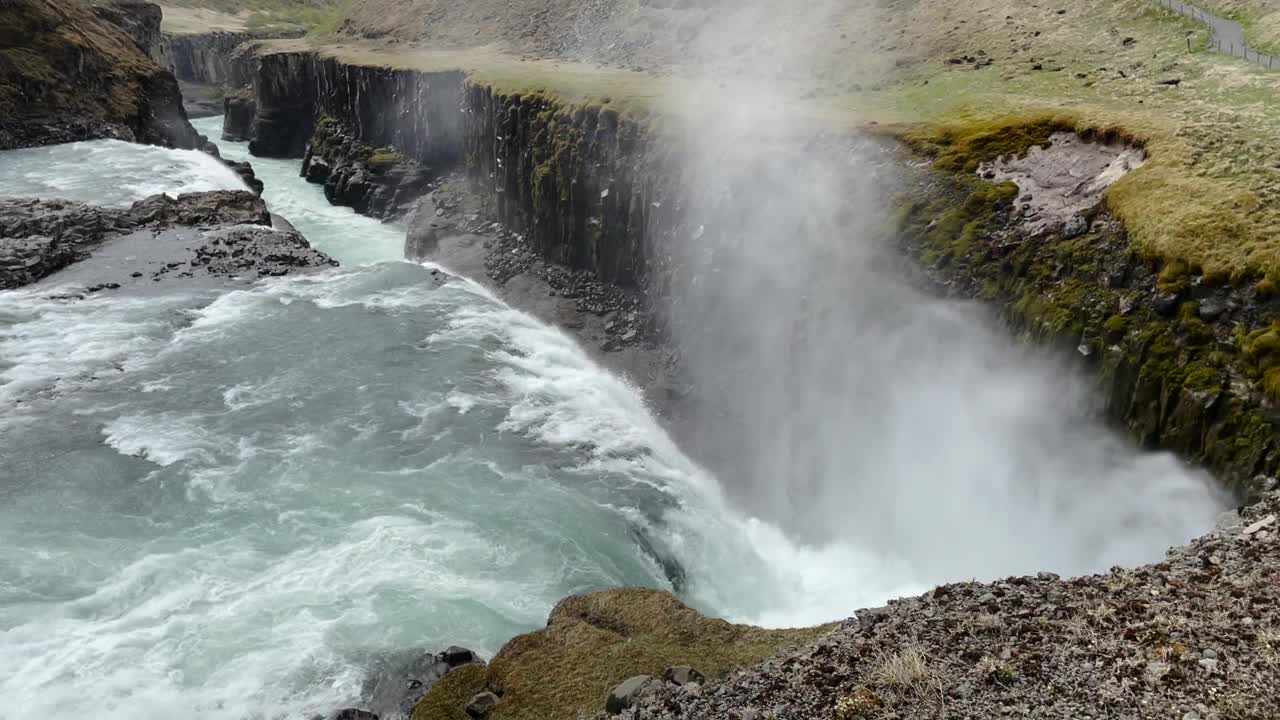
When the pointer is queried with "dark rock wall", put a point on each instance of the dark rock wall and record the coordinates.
(207, 57)
(285, 93)
(580, 184)
(1170, 358)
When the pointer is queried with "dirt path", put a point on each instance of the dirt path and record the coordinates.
(1225, 35)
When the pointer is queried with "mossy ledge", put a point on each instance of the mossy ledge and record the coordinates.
(591, 644)
(1183, 359)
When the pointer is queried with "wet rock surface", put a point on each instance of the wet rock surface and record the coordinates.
(613, 323)
(218, 234)
(398, 681)
(1197, 635)
(377, 182)
(238, 111)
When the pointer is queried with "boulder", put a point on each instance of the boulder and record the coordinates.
(317, 170)
(245, 171)
(398, 681)
(629, 693)
(424, 230)
(481, 704)
(246, 250)
(220, 207)
(683, 675)
(238, 111)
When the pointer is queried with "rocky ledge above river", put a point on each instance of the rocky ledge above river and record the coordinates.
(222, 234)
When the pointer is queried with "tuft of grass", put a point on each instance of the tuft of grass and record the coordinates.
(997, 671)
(907, 671)
(592, 643)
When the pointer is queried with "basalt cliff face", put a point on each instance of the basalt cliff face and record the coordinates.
(587, 188)
(69, 72)
(206, 57)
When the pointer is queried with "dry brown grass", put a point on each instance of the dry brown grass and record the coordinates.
(907, 671)
(191, 20)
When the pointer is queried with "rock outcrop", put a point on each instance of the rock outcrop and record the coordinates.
(238, 112)
(1194, 636)
(230, 235)
(139, 19)
(378, 182)
(67, 72)
(204, 57)
(593, 642)
(1176, 357)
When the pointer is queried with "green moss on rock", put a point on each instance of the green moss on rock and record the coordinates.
(383, 159)
(591, 644)
(963, 147)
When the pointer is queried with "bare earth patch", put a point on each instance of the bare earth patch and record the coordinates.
(1068, 177)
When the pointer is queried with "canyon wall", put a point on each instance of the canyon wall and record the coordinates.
(595, 191)
(207, 58)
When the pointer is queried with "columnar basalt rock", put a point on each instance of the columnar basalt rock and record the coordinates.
(239, 110)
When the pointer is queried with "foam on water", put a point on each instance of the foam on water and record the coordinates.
(112, 173)
(284, 480)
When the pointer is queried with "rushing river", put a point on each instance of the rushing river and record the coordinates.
(221, 504)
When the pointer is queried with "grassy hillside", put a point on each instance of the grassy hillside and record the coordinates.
(320, 16)
(1209, 195)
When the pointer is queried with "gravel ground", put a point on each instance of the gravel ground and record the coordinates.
(1195, 637)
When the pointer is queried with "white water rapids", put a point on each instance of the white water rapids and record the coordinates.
(222, 504)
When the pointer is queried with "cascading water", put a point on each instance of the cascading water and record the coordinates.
(220, 505)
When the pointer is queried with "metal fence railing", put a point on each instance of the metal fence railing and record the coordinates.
(1225, 36)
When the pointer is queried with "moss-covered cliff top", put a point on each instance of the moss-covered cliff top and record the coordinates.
(1209, 195)
(591, 644)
